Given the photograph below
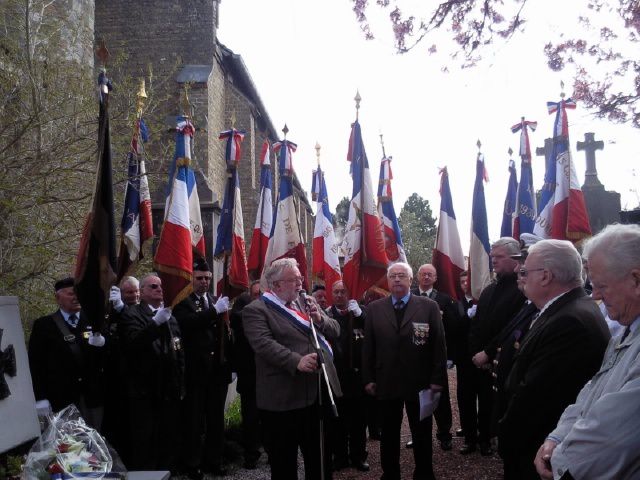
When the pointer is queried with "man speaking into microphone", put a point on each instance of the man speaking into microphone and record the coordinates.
(287, 370)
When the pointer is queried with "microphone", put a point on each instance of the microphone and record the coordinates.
(305, 299)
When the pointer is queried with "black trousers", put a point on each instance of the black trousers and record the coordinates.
(155, 434)
(480, 393)
(284, 432)
(391, 412)
(466, 395)
(442, 415)
(251, 429)
(349, 438)
(518, 464)
(203, 418)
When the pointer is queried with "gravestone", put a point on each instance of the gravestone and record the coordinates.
(603, 206)
(19, 420)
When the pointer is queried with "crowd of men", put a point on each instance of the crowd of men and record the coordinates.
(539, 374)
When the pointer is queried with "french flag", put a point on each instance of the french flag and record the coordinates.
(264, 216)
(508, 212)
(286, 239)
(325, 264)
(230, 240)
(363, 246)
(479, 261)
(182, 232)
(569, 219)
(448, 258)
(136, 225)
(392, 237)
(525, 215)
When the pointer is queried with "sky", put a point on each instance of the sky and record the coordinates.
(309, 58)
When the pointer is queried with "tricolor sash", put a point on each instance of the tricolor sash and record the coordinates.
(298, 319)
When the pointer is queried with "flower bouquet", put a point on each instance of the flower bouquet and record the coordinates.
(69, 449)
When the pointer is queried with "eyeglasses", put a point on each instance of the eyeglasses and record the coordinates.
(154, 286)
(398, 275)
(292, 280)
(427, 274)
(523, 272)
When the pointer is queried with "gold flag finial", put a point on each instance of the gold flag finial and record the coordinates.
(561, 89)
(285, 130)
(384, 155)
(141, 97)
(184, 100)
(510, 152)
(479, 144)
(357, 99)
(233, 119)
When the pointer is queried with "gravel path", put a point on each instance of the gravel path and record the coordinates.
(447, 465)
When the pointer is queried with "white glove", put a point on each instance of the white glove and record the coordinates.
(450, 364)
(471, 312)
(43, 407)
(116, 299)
(96, 339)
(162, 315)
(222, 305)
(354, 308)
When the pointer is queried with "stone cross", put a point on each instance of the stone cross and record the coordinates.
(546, 150)
(7, 367)
(589, 146)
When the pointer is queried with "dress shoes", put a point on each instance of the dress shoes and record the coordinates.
(446, 444)
(361, 466)
(485, 449)
(468, 448)
(409, 444)
(460, 433)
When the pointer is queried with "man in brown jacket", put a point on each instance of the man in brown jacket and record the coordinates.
(287, 370)
(404, 355)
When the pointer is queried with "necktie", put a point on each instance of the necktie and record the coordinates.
(626, 333)
(399, 305)
(73, 320)
(205, 301)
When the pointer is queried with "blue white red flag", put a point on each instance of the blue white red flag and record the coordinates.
(182, 233)
(569, 218)
(286, 239)
(525, 214)
(479, 261)
(448, 258)
(325, 263)
(363, 246)
(392, 236)
(136, 226)
(230, 245)
(508, 213)
(264, 216)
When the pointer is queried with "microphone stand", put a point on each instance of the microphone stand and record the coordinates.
(321, 363)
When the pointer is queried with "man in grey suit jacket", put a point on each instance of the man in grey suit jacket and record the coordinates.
(287, 369)
(404, 353)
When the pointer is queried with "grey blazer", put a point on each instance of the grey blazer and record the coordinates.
(404, 359)
(278, 347)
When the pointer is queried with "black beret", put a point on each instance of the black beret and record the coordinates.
(64, 283)
(318, 287)
(201, 265)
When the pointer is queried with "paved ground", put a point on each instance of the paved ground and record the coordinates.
(447, 465)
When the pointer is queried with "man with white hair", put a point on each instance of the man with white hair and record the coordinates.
(287, 369)
(560, 352)
(404, 364)
(597, 436)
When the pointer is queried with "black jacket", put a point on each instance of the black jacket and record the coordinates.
(154, 353)
(65, 368)
(347, 351)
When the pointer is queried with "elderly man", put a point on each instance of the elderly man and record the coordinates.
(404, 362)
(155, 385)
(349, 441)
(207, 374)
(288, 369)
(66, 358)
(597, 436)
(452, 321)
(561, 351)
(497, 305)
(319, 292)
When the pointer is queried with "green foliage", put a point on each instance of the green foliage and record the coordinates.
(233, 417)
(341, 217)
(418, 228)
